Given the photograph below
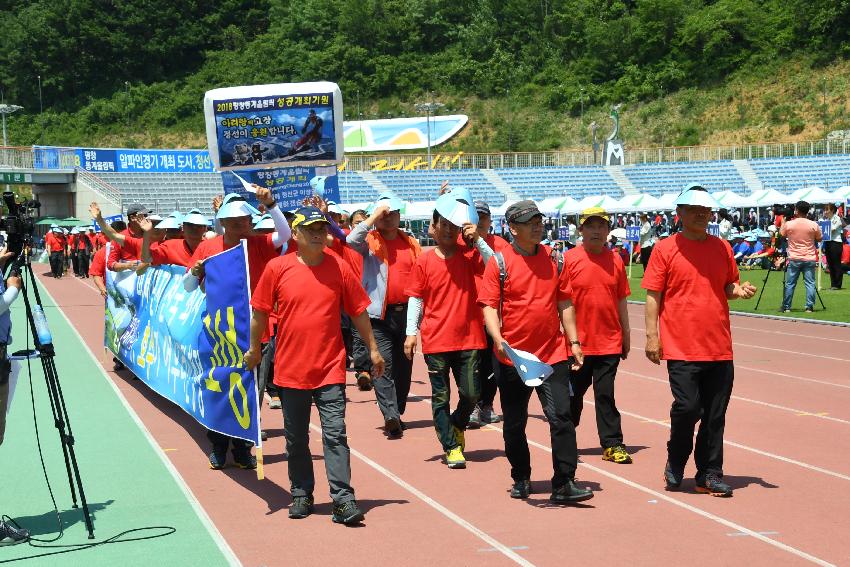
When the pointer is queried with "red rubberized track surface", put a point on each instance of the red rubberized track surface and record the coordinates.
(786, 455)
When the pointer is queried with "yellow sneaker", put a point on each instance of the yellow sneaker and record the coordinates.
(455, 458)
(460, 437)
(617, 455)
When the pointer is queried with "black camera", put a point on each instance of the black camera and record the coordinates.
(785, 210)
(19, 224)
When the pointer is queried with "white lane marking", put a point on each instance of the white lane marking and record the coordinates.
(699, 511)
(491, 541)
(215, 535)
(801, 378)
(751, 401)
(791, 334)
(743, 447)
(782, 350)
(739, 534)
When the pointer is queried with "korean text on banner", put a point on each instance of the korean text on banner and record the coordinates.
(289, 185)
(184, 347)
(250, 127)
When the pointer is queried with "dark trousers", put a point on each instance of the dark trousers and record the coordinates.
(488, 373)
(600, 371)
(645, 253)
(57, 263)
(330, 402)
(221, 442)
(832, 251)
(75, 262)
(359, 353)
(83, 263)
(265, 375)
(701, 392)
(392, 387)
(554, 396)
(464, 365)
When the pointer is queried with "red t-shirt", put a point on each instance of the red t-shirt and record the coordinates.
(692, 276)
(533, 288)
(81, 242)
(98, 263)
(261, 250)
(55, 243)
(597, 284)
(101, 239)
(400, 263)
(131, 250)
(174, 251)
(309, 301)
(350, 255)
(451, 318)
(845, 254)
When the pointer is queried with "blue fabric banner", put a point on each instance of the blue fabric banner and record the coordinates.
(188, 347)
(289, 185)
(145, 161)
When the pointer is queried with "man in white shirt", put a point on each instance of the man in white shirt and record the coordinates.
(833, 245)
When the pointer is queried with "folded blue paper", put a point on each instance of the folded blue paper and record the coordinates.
(530, 368)
(457, 207)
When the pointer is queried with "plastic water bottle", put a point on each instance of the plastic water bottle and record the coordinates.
(41, 328)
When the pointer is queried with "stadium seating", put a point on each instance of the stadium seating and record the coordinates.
(164, 192)
(575, 182)
(659, 178)
(790, 173)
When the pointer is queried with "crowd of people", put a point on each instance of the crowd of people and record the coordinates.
(365, 289)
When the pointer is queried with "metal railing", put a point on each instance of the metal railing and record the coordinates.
(38, 158)
(98, 185)
(585, 158)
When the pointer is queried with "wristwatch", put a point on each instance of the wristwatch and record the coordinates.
(575, 343)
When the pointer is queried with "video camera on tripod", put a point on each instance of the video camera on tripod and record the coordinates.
(19, 224)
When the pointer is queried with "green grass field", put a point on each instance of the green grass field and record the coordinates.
(837, 302)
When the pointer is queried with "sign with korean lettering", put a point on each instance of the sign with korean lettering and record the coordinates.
(633, 233)
(100, 160)
(713, 229)
(563, 233)
(289, 185)
(297, 124)
(15, 178)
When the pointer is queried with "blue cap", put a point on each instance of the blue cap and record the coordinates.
(388, 199)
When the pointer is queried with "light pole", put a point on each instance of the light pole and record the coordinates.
(428, 108)
(4, 110)
(582, 105)
(127, 95)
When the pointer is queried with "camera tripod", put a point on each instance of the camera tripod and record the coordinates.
(771, 268)
(22, 267)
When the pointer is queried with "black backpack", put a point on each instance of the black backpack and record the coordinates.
(557, 258)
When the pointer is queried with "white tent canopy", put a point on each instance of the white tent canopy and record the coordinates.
(603, 201)
(812, 195)
(419, 210)
(731, 200)
(553, 206)
(639, 202)
(841, 194)
(766, 198)
(666, 201)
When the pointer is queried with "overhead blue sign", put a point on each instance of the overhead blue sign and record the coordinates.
(109, 220)
(144, 161)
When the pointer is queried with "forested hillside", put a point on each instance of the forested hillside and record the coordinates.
(530, 73)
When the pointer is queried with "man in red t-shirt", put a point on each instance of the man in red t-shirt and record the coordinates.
(175, 251)
(488, 366)
(388, 254)
(527, 312)
(442, 289)
(127, 252)
(307, 290)
(598, 290)
(234, 214)
(689, 281)
(56, 244)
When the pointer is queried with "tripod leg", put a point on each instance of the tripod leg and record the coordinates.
(763, 285)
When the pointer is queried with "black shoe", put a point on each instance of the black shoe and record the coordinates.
(347, 513)
(672, 479)
(364, 381)
(244, 459)
(521, 489)
(11, 535)
(570, 492)
(301, 507)
(218, 459)
(263, 435)
(712, 484)
(117, 365)
(393, 428)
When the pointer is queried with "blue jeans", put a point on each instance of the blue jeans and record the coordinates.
(792, 274)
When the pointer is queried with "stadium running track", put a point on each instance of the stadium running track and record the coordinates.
(786, 456)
